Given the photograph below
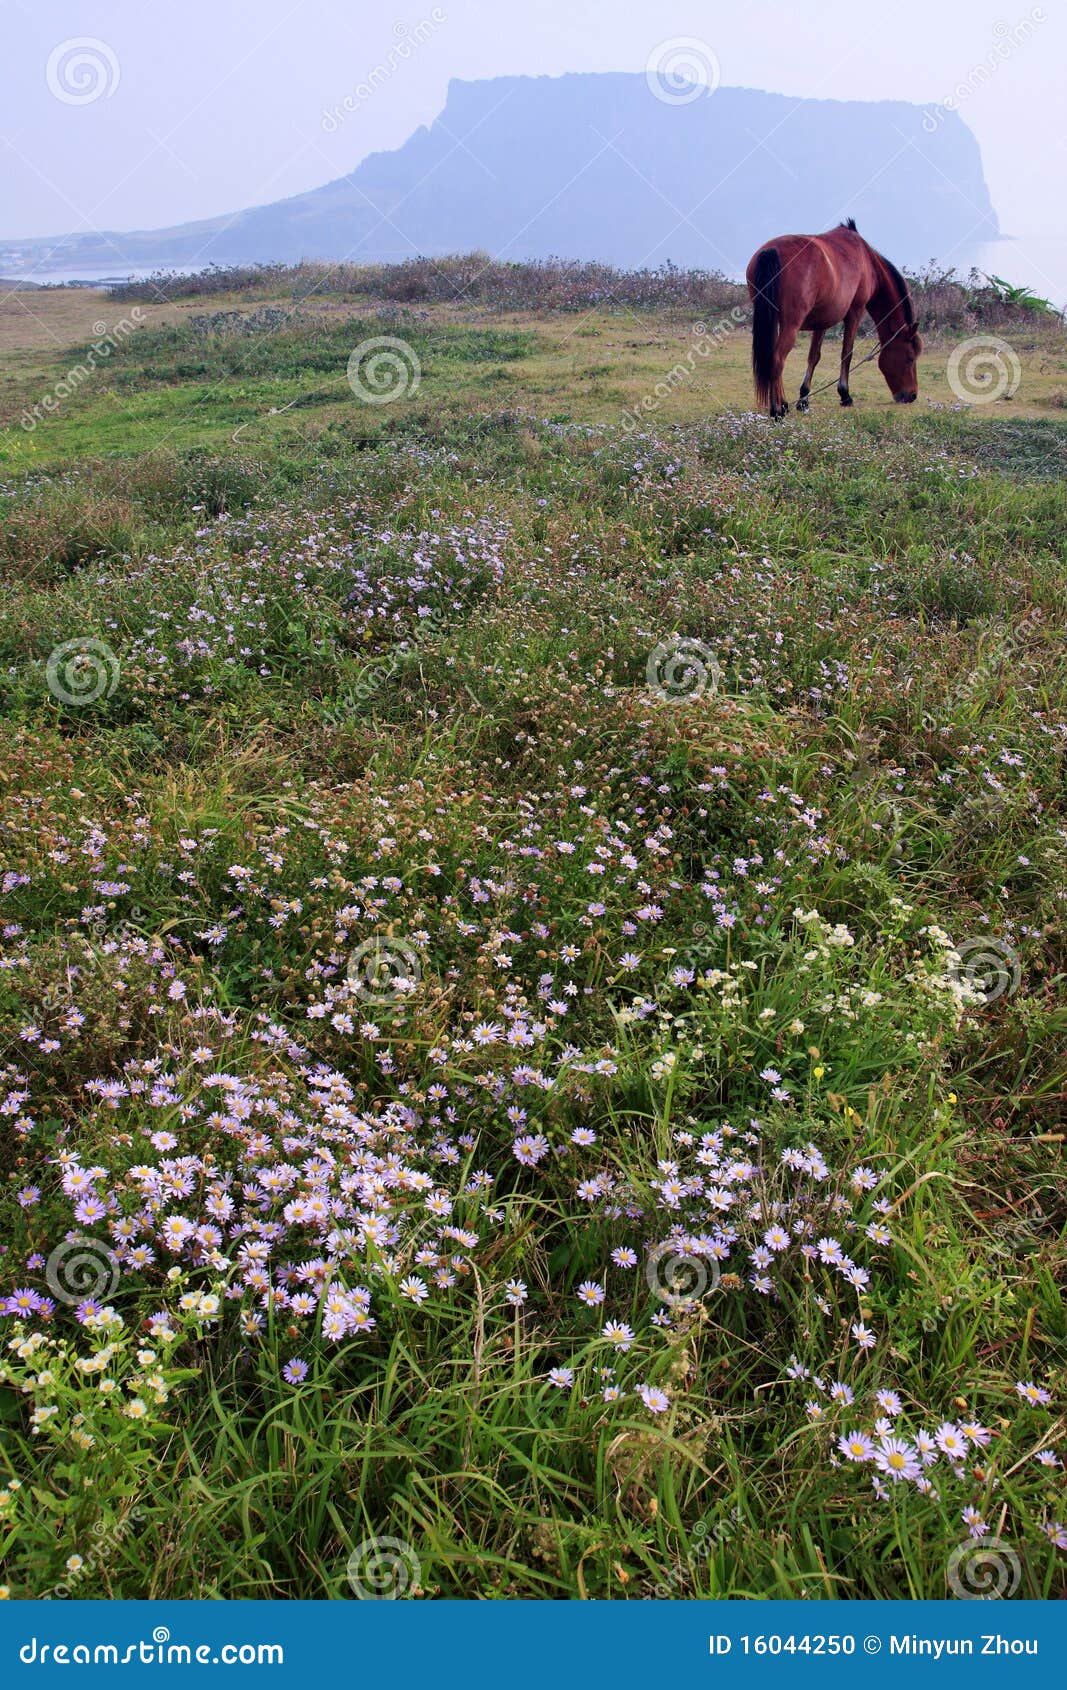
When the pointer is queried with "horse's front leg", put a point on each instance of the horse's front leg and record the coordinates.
(814, 353)
(851, 324)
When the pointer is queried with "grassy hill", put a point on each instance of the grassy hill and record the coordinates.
(533, 949)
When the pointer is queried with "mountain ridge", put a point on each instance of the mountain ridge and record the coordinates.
(594, 165)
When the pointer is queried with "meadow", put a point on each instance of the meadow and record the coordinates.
(532, 1030)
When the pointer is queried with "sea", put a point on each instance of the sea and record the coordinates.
(89, 276)
(1038, 262)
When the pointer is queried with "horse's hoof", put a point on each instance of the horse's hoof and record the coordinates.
(846, 399)
(802, 405)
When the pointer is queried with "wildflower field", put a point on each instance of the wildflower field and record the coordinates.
(533, 1052)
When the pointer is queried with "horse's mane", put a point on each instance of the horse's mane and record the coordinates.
(894, 275)
(905, 296)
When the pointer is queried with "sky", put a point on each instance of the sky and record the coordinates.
(206, 106)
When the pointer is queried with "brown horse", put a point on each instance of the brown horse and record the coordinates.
(812, 282)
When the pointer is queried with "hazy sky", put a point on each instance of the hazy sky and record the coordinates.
(206, 106)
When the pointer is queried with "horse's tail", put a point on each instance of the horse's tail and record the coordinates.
(765, 321)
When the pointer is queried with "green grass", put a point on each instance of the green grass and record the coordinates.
(871, 724)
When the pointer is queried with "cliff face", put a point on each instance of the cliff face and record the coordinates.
(595, 166)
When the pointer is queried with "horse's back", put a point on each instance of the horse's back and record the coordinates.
(820, 277)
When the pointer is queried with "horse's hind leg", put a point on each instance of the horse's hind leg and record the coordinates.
(787, 339)
(814, 352)
(851, 324)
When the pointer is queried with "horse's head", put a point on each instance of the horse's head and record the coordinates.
(897, 362)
